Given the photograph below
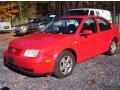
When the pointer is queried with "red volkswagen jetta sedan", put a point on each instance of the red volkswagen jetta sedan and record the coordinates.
(62, 44)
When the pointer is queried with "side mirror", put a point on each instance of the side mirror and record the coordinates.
(87, 32)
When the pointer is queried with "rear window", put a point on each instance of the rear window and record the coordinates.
(77, 12)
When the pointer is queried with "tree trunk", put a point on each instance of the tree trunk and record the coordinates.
(20, 8)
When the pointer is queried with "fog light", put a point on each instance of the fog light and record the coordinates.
(48, 60)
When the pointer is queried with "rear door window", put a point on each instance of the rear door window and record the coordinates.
(104, 25)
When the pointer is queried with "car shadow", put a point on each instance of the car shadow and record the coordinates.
(5, 88)
(18, 35)
(26, 74)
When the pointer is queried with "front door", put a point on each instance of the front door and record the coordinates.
(88, 44)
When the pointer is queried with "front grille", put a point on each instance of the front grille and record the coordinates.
(14, 51)
(13, 66)
(30, 27)
(9, 60)
(27, 70)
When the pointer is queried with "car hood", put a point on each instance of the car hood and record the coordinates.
(38, 40)
(21, 25)
(45, 22)
(38, 23)
(26, 24)
(31, 24)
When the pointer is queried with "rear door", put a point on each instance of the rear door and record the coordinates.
(105, 35)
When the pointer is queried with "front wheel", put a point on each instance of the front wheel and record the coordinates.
(64, 64)
(112, 48)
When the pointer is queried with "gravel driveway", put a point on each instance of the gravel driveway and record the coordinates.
(98, 73)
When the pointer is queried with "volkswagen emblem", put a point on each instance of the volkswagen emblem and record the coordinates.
(12, 50)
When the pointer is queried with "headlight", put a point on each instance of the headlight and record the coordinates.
(31, 53)
(14, 28)
(24, 28)
(41, 26)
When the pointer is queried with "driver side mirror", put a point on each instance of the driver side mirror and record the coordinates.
(87, 32)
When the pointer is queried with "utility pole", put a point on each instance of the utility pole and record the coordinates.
(10, 15)
(114, 11)
(20, 8)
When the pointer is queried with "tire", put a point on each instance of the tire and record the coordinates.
(64, 64)
(112, 49)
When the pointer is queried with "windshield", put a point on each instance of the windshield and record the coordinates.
(63, 26)
(34, 20)
(48, 18)
(77, 12)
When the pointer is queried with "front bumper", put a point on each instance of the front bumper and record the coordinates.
(20, 32)
(31, 66)
(32, 29)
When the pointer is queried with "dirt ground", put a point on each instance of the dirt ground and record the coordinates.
(7, 36)
(99, 73)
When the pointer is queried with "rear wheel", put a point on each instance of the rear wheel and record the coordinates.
(112, 48)
(64, 64)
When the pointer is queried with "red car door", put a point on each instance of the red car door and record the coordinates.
(88, 44)
(105, 35)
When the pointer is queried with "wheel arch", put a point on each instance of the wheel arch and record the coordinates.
(116, 39)
(73, 52)
(56, 71)
(59, 51)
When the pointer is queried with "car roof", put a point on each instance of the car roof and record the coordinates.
(80, 16)
(87, 9)
(83, 16)
(57, 14)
